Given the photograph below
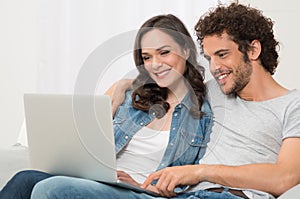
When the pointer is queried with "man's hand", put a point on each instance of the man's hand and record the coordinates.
(171, 177)
(117, 93)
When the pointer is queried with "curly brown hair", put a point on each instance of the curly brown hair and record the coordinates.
(147, 95)
(243, 24)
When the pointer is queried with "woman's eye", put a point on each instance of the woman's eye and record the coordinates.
(145, 58)
(208, 58)
(165, 52)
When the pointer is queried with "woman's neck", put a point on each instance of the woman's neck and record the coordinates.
(177, 93)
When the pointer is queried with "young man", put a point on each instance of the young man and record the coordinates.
(255, 139)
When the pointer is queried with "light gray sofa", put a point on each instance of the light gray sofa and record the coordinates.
(16, 158)
(12, 159)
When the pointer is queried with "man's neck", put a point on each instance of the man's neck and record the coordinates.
(261, 87)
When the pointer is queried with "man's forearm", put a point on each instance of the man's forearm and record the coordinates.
(124, 84)
(117, 92)
(271, 178)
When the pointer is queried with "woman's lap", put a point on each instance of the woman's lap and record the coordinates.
(43, 185)
(69, 187)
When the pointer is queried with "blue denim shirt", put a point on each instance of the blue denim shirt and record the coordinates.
(188, 136)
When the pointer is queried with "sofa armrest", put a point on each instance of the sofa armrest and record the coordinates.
(292, 193)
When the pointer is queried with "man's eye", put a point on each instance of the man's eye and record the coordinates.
(222, 55)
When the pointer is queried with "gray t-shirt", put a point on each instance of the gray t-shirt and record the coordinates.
(246, 132)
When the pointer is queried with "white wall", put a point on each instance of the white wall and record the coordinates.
(17, 64)
(19, 46)
(286, 16)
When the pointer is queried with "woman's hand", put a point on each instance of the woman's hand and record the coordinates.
(125, 177)
(171, 177)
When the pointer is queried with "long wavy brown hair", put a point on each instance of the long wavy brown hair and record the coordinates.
(147, 95)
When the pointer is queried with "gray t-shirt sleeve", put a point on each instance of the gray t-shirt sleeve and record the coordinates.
(291, 123)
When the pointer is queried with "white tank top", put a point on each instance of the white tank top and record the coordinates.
(143, 153)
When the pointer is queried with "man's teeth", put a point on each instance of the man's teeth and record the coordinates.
(222, 76)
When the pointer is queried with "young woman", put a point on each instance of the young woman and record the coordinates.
(164, 121)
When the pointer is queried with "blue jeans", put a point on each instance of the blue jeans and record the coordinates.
(60, 187)
(40, 185)
(21, 184)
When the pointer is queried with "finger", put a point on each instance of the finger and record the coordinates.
(172, 185)
(114, 108)
(150, 178)
(163, 184)
(152, 188)
(121, 173)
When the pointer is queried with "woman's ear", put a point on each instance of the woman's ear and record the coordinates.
(186, 53)
(255, 50)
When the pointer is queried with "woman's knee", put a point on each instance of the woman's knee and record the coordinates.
(65, 187)
(68, 187)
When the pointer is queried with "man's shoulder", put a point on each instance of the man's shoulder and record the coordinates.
(211, 83)
(295, 92)
(291, 96)
(214, 91)
(213, 87)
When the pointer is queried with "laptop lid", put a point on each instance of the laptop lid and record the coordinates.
(72, 135)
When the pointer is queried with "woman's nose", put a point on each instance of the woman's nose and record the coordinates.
(156, 63)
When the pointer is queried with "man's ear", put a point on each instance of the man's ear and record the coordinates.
(255, 50)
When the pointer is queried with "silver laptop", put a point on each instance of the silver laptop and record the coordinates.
(72, 135)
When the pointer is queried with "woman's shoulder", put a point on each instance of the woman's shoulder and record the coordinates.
(128, 98)
(206, 107)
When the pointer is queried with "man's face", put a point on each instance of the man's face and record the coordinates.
(226, 63)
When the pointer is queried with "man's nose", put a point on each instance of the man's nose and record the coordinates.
(214, 65)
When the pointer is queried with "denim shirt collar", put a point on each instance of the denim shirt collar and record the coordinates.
(186, 101)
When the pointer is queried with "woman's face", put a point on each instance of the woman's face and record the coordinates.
(163, 58)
